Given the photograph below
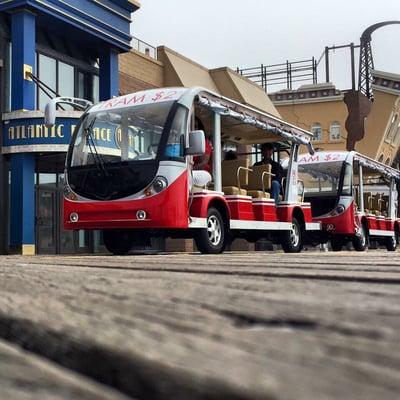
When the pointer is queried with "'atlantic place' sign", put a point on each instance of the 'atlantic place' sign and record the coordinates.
(25, 132)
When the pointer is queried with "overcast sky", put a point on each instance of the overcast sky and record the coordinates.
(247, 33)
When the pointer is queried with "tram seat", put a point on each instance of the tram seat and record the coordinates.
(259, 182)
(258, 194)
(376, 204)
(235, 175)
(385, 205)
(367, 202)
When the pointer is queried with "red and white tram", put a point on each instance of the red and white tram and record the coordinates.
(354, 197)
(129, 172)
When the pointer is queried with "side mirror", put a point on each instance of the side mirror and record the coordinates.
(197, 143)
(51, 107)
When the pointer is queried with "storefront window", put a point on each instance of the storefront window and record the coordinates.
(66, 81)
(47, 179)
(81, 85)
(47, 71)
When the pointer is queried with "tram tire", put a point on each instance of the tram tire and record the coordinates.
(360, 243)
(391, 242)
(212, 240)
(118, 242)
(291, 241)
(336, 244)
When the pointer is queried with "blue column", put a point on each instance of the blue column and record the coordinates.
(108, 74)
(23, 53)
(22, 201)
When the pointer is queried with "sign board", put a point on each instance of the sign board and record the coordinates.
(26, 133)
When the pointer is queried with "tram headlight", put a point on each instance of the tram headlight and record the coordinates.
(74, 217)
(159, 184)
(141, 214)
(340, 208)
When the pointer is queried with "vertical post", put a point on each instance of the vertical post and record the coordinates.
(262, 76)
(22, 201)
(360, 177)
(353, 68)
(287, 75)
(266, 79)
(314, 71)
(327, 63)
(217, 153)
(108, 74)
(292, 175)
(392, 212)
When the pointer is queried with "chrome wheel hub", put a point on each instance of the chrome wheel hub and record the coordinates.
(294, 235)
(214, 230)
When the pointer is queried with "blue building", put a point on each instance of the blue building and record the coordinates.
(49, 48)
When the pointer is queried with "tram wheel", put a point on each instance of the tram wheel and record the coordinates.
(118, 242)
(212, 240)
(336, 243)
(391, 242)
(360, 243)
(291, 240)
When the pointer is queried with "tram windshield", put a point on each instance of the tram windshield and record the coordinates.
(115, 153)
(126, 134)
(324, 183)
(321, 179)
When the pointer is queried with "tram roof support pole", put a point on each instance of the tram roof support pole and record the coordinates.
(361, 194)
(217, 174)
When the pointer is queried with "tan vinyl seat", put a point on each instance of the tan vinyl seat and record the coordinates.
(258, 194)
(367, 202)
(235, 175)
(385, 205)
(259, 179)
(376, 204)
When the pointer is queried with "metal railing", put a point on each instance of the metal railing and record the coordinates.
(284, 74)
(143, 47)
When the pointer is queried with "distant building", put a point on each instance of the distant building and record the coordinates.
(320, 108)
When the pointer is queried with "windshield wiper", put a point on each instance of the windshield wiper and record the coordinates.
(93, 149)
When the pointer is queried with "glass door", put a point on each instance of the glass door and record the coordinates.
(46, 211)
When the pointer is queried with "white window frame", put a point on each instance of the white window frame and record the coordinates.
(316, 126)
(335, 125)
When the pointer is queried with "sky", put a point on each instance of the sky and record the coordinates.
(248, 33)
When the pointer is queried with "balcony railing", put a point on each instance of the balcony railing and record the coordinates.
(283, 75)
(144, 47)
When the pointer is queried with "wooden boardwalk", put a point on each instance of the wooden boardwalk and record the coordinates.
(184, 326)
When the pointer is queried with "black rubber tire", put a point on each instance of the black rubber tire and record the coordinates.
(391, 242)
(118, 242)
(360, 243)
(212, 240)
(336, 243)
(292, 241)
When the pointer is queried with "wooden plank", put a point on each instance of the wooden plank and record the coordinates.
(26, 376)
(239, 325)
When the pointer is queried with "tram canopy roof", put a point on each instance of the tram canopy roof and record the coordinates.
(341, 156)
(241, 123)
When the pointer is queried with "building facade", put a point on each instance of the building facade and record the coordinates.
(50, 48)
(321, 109)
